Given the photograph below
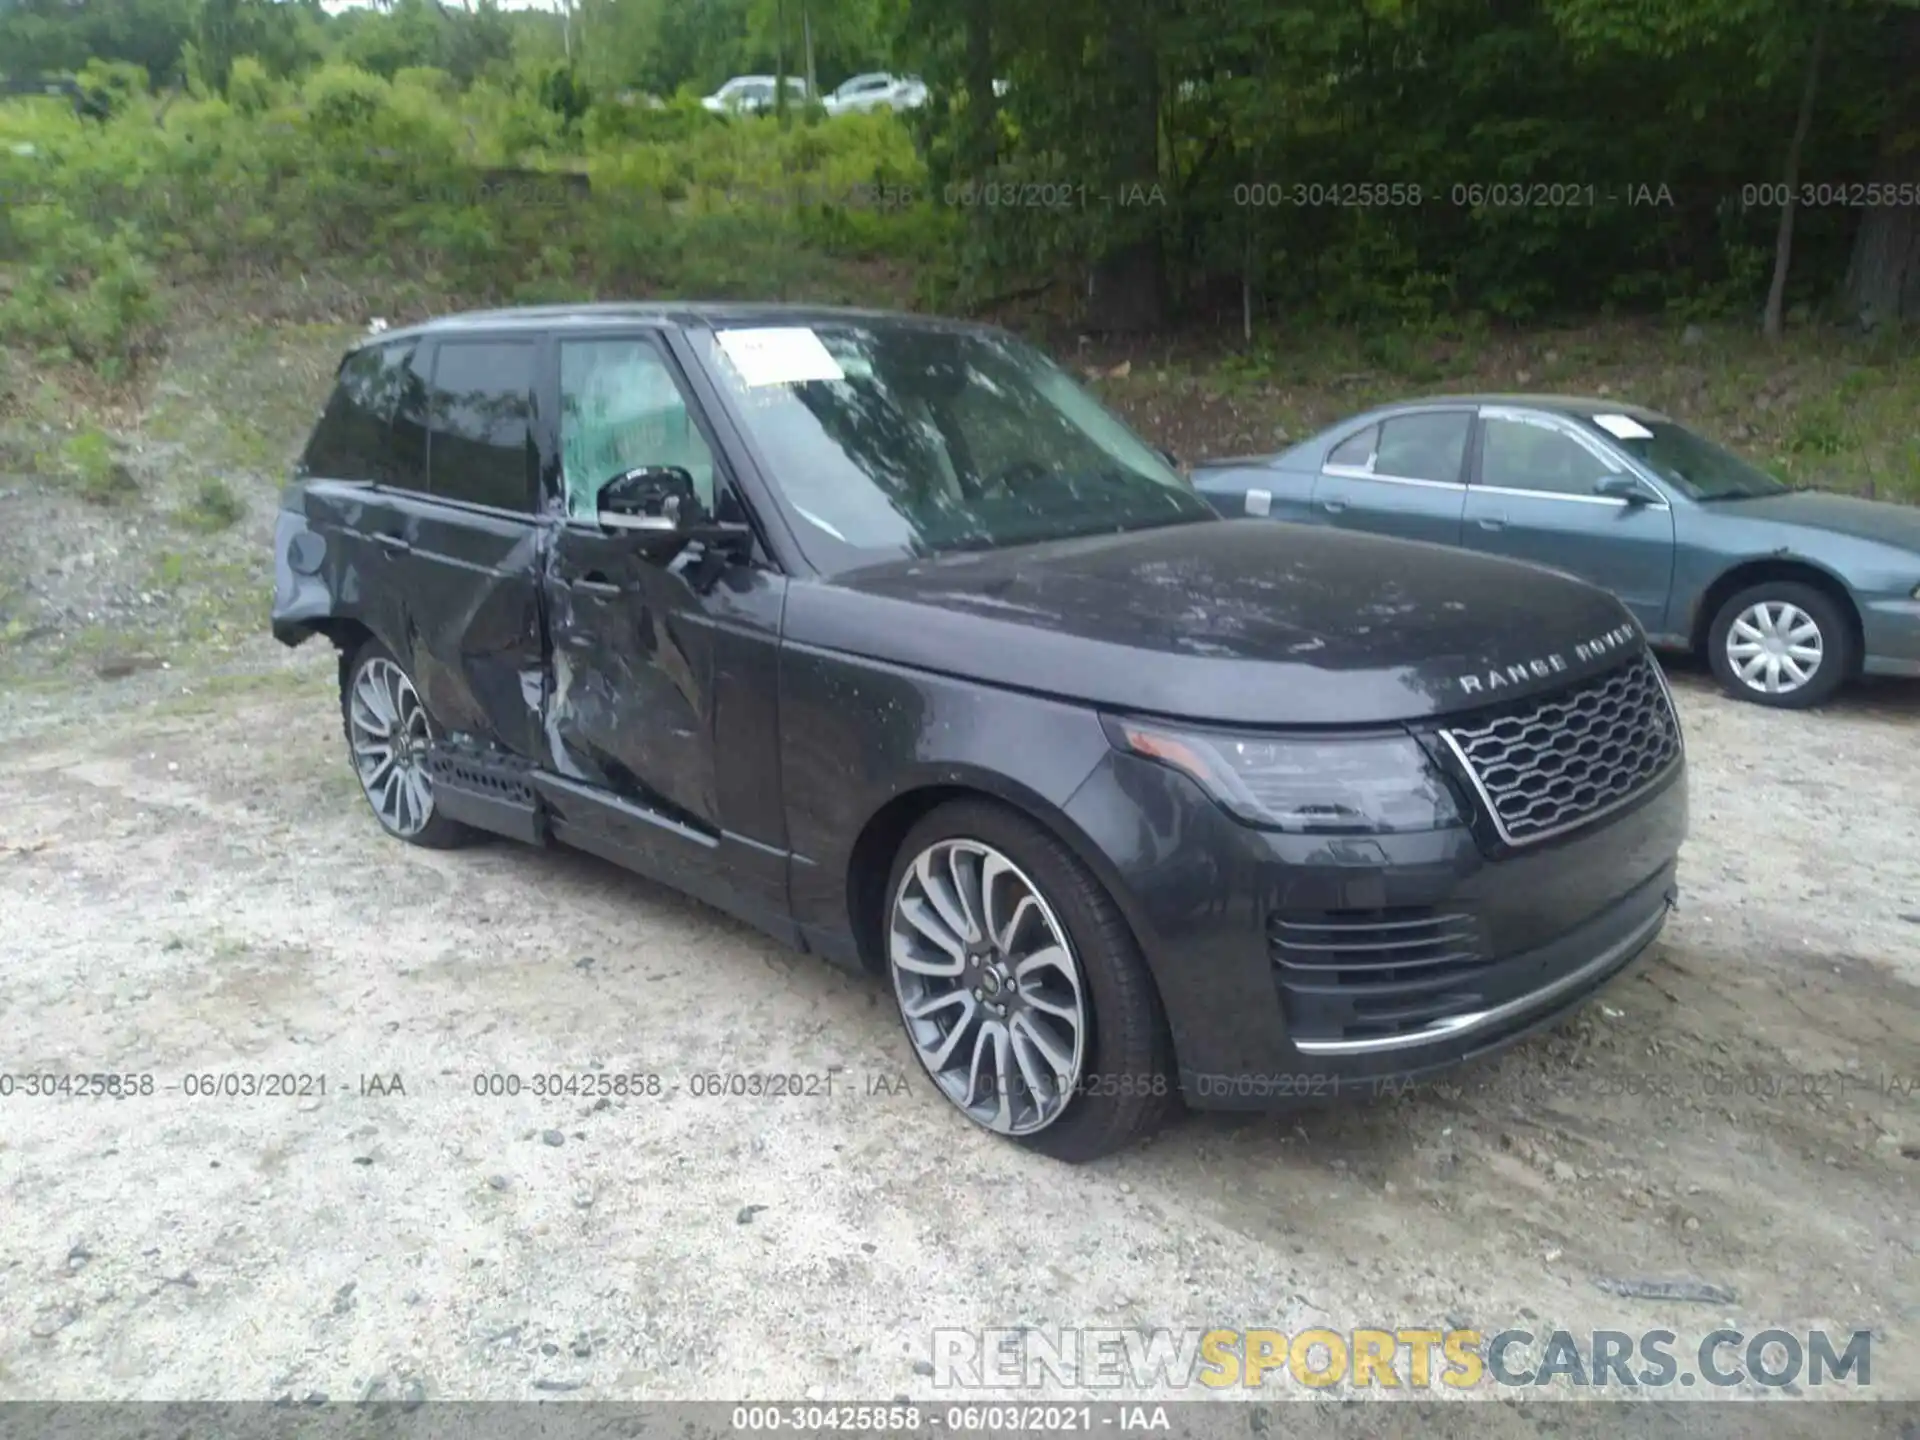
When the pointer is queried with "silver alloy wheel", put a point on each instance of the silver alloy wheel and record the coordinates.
(1775, 647)
(988, 985)
(388, 735)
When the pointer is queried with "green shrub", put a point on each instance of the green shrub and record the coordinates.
(351, 172)
(114, 84)
(87, 461)
(215, 506)
(437, 83)
(343, 100)
(80, 296)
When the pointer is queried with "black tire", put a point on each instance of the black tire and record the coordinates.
(1838, 657)
(439, 832)
(1129, 1086)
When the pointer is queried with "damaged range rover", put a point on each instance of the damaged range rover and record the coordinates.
(880, 634)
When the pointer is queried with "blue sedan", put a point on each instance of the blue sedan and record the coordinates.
(1788, 593)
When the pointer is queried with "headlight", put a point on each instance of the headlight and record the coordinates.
(1378, 785)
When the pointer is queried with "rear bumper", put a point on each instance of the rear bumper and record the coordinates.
(1261, 1019)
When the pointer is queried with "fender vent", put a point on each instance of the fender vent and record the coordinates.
(1354, 974)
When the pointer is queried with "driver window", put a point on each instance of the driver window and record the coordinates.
(1523, 454)
(620, 410)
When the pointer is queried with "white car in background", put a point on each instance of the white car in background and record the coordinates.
(752, 95)
(876, 91)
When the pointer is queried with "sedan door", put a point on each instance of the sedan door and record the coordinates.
(1532, 498)
(1403, 476)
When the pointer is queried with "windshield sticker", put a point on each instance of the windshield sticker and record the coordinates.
(779, 355)
(1623, 427)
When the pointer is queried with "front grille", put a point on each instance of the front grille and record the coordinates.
(1565, 760)
(1359, 974)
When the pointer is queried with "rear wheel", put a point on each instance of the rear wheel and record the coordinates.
(388, 734)
(1020, 986)
(1781, 644)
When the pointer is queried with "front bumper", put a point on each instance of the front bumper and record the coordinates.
(1890, 630)
(1271, 952)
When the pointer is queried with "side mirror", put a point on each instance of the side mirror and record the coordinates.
(1622, 487)
(660, 507)
(659, 499)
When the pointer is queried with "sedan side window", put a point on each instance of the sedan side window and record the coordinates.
(620, 410)
(1355, 450)
(1424, 447)
(1519, 454)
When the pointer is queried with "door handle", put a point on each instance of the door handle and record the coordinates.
(394, 544)
(1333, 507)
(1493, 522)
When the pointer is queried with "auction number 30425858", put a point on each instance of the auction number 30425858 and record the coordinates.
(997, 1419)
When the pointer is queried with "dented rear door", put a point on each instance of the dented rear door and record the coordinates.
(470, 544)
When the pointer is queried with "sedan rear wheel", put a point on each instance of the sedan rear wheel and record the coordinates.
(1781, 644)
(1020, 986)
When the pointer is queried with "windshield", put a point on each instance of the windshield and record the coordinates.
(1700, 469)
(891, 439)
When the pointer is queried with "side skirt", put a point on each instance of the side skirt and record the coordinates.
(488, 790)
(494, 791)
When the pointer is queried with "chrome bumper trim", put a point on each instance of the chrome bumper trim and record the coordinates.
(1455, 1026)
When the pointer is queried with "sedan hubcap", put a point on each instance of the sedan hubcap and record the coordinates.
(1775, 647)
(388, 735)
(988, 986)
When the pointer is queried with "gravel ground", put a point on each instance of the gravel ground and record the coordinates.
(191, 886)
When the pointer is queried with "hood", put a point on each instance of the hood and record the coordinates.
(1878, 520)
(1232, 621)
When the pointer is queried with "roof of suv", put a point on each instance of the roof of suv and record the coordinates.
(698, 314)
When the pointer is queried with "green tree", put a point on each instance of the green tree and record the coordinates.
(54, 36)
(1882, 284)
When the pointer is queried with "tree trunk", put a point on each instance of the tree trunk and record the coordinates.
(780, 61)
(1129, 284)
(1771, 322)
(980, 134)
(1883, 280)
(806, 36)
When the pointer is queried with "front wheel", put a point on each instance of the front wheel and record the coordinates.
(1021, 988)
(1781, 644)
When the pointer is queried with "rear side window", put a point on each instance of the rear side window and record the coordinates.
(481, 416)
(1355, 450)
(351, 440)
(1424, 447)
